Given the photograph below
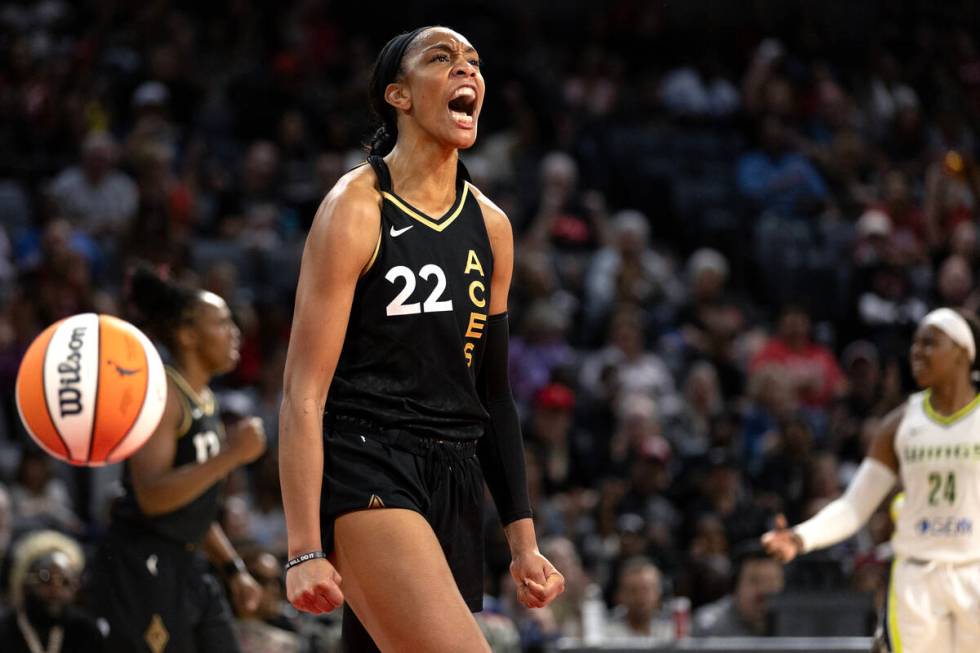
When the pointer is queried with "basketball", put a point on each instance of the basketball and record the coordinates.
(91, 389)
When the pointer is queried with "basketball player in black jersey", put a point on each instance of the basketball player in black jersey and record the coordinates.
(149, 582)
(400, 335)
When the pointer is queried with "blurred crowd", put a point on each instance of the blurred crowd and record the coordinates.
(728, 220)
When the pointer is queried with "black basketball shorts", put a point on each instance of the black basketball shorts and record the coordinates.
(366, 468)
(157, 596)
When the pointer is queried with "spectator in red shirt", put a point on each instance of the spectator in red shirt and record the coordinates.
(810, 367)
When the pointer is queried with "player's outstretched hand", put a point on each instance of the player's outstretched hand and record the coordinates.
(314, 587)
(246, 438)
(782, 543)
(537, 580)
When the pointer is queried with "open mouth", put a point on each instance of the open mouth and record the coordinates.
(462, 106)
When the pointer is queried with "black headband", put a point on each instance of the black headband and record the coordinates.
(390, 60)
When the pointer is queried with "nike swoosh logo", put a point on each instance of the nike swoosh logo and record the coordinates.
(122, 370)
(395, 233)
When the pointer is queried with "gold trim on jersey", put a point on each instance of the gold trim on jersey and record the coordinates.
(205, 402)
(187, 419)
(427, 221)
(374, 257)
(947, 420)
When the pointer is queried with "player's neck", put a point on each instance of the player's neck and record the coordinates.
(423, 171)
(947, 398)
(194, 373)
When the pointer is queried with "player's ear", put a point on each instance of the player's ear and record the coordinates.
(398, 95)
(185, 335)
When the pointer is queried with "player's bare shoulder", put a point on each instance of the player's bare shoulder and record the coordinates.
(498, 224)
(354, 197)
(349, 217)
(888, 425)
(883, 445)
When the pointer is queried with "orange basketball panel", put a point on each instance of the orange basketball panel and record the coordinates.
(30, 395)
(123, 378)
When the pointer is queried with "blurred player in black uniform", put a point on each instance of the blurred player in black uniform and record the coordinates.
(148, 581)
(401, 313)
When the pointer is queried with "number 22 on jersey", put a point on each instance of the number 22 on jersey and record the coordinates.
(433, 303)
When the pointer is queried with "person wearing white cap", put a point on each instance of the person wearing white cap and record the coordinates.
(932, 444)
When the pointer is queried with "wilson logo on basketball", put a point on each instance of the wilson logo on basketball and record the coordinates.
(69, 373)
(91, 389)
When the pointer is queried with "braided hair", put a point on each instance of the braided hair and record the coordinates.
(387, 70)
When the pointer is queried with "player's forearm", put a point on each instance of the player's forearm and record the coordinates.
(501, 449)
(842, 517)
(218, 547)
(521, 537)
(179, 486)
(301, 472)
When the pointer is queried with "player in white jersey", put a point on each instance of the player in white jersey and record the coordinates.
(933, 442)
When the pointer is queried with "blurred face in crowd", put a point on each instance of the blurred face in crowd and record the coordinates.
(955, 281)
(796, 438)
(97, 158)
(265, 569)
(562, 554)
(49, 586)
(701, 388)
(261, 166)
(559, 174)
(936, 357)
(56, 240)
(649, 475)
(773, 135)
(34, 473)
(235, 520)
(632, 531)
(292, 130)
(864, 372)
(708, 284)
(626, 334)
(964, 240)
(709, 537)
(895, 189)
(551, 424)
(632, 233)
(640, 592)
(824, 476)
(723, 481)
(794, 328)
(760, 578)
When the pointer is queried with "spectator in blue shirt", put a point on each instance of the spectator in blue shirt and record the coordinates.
(776, 178)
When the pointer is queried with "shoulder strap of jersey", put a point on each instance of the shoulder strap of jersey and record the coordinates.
(381, 169)
(462, 174)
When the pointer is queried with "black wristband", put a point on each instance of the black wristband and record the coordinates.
(234, 566)
(306, 557)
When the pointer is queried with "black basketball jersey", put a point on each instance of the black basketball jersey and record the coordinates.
(200, 438)
(415, 337)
